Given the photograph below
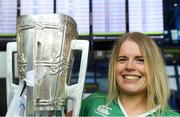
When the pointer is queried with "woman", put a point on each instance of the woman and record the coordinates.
(137, 81)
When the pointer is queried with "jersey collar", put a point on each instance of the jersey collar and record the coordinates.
(141, 115)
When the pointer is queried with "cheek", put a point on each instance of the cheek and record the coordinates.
(142, 69)
(119, 68)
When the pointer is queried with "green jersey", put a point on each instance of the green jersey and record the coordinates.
(96, 105)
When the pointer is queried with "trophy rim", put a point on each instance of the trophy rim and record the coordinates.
(60, 16)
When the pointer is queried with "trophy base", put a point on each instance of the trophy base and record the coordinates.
(49, 111)
(48, 108)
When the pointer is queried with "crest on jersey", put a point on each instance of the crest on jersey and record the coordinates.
(103, 110)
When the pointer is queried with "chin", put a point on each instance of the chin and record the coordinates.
(134, 92)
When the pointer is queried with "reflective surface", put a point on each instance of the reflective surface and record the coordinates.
(43, 44)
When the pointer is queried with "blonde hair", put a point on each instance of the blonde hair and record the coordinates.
(157, 85)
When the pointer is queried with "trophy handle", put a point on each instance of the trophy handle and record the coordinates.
(10, 86)
(75, 91)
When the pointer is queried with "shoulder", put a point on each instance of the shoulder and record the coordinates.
(170, 112)
(95, 97)
(91, 103)
(97, 105)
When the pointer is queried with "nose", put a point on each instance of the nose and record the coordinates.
(130, 65)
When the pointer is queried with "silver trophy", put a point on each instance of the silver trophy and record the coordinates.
(45, 45)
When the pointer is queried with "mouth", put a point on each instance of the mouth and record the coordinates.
(131, 77)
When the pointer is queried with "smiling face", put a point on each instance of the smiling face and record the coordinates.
(130, 69)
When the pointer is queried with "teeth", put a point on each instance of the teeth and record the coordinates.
(131, 77)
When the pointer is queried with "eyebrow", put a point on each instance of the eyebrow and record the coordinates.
(121, 57)
(127, 57)
(138, 56)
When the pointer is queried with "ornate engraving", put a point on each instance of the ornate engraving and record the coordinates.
(44, 47)
(21, 66)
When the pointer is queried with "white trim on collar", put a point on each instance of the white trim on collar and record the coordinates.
(141, 115)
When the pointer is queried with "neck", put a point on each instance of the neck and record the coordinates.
(134, 104)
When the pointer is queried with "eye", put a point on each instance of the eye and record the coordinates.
(139, 60)
(122, 60)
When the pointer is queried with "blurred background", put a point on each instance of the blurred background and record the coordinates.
(101, 22)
